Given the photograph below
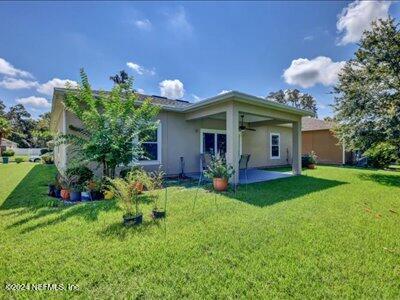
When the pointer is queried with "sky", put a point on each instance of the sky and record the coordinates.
(182, 50)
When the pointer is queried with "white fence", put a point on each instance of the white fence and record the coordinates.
(27, 151)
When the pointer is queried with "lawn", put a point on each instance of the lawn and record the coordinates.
(333, 232)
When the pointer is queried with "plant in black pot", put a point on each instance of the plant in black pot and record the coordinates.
(95, 189)
(309, 160)
(128, 200)
(155, 182)
(6, 155)
(75, 192)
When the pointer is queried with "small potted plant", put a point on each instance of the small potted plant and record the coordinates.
(75, 192)
(85, 193)
(67, 183)
(6, 155)
(128, 200)
(156, 182)
(220, 172)
(48, 158)
(312, 160)
(57, 189)
(95, 189)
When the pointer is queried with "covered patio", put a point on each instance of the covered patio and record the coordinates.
(249, 122)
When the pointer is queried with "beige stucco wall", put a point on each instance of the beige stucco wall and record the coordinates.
(60, 150)
(257, 144)
(325, 145)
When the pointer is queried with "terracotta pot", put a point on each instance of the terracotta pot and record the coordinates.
(311, 166)
(220, 184)
(138, 186)
(64, 194)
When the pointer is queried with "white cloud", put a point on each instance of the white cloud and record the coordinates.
(144, 24)
(357, 17)
(17, 84)
(172, 89)
(8, 69)
(139, 69)
(140, 91)
(48, 87)
(308, 38)
(196, 98)
(178, 21)
(224, 92)
(33, 101)
(307, 73)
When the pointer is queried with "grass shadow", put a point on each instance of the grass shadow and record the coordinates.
(268, 193)
(384, 179)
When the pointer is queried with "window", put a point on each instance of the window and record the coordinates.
(275, 146)
(151, 145)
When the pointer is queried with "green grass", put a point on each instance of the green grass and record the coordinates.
(331, 233)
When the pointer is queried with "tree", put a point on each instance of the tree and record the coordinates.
(41, 133)
(111, 124)
(5, 130)
(22, 124)
(121, 78)
(294, 97)
(367, 96)
(2, 108)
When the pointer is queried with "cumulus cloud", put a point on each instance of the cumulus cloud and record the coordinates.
(224, 92)
(48, 87)
(8, 69)
(144, 24)
(357, 17)
(178, 21)
(139, 69)
(307, 73)
(17, 84)
(140, 91)
(172, 89)
(196, 98)
(33, 101)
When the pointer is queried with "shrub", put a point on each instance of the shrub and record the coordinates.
(44, 151)
(218, 168)
(309, 159)
(84, 174)
(48, 158)
(8, 153)
(19, 160)
(381, 155)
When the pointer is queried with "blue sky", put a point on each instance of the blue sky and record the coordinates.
(189, 50)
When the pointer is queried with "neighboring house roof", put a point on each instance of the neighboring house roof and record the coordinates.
(310, 124)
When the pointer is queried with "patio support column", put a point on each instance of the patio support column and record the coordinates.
(232, 140)
(296, 148)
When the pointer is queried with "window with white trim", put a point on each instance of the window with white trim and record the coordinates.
(151, 146)
(275, 145)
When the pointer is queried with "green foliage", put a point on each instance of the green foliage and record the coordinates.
(5, 129)
(19, 160)
(309, 159)
(294, 97)
(48, 158)
(218, 168)
(111, 123)
(367, 102)
(125, 193)
(8, 153)
(381, 155)
(83, 173)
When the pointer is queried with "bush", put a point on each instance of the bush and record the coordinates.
(19, 160)
(83, 174)
(44, 151)
(8, 153)
(218, 168)
(309, 159)
(381, 155)
(48, 159)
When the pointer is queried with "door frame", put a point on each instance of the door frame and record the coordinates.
(217, 131)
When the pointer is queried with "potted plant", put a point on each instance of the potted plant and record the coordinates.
(6, 155)
(95, 189)
(85, 193)
(220, 172)
(48, 158)
(156, 182)
(139, 178)
(309, 160)
(67, 183)
(128, 200)
(75, 192)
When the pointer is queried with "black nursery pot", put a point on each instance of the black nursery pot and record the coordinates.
(133, 220)
(52, 189)
(96, 195)
(158, 214)
(57, 193)
(75, 196)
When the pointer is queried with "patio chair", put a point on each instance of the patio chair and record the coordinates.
(243, 165)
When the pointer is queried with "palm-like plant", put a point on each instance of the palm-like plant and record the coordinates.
(124, 192)
(5, 130)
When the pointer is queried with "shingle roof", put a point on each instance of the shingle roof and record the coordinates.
(309, 124)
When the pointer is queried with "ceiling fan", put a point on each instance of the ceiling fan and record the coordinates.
(242, 127)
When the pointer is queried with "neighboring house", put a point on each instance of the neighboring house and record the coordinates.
(318, 137)
(7, 144)
(209, 126)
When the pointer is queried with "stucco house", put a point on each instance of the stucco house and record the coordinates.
(234, 123)
(318, 136)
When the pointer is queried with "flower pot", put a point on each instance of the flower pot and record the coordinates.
(85, 196)
(220, 184)
(5, 160)
(64, 194)
(108, 195)
(75, 196)
(311, 166)
(138, 186)
(51, 192)
(158, 214)
(57, 193)
(96, 195)
(130, 220)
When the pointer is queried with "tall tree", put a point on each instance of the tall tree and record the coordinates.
(2, 108)
(367, 96)
(41, 133)
(111, 124)
(5, 130)
(22, 124)
(294, 97)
